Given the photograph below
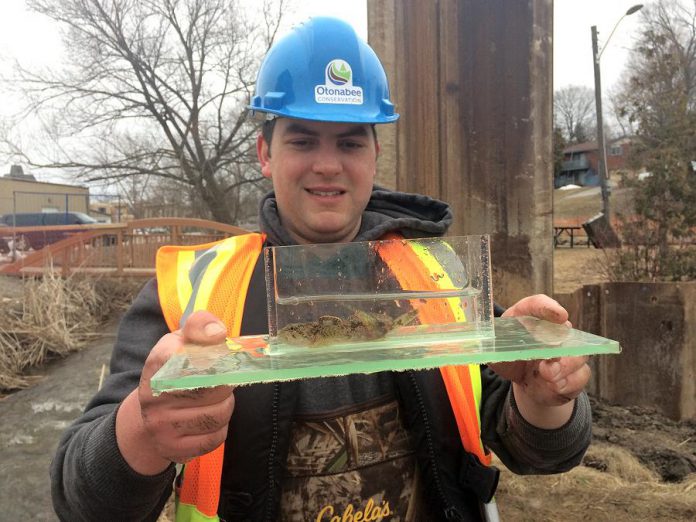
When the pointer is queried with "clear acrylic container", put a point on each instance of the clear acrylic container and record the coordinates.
(365, 295)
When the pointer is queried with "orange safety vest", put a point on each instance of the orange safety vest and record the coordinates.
(216, 276)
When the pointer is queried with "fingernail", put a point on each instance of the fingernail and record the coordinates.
(212, 329)
(561, 384)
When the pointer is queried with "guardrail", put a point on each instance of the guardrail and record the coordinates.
(111, 249)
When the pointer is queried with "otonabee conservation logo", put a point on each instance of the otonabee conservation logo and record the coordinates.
(338, 86)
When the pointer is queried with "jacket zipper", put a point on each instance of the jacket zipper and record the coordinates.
(451, 512)
(272, 452)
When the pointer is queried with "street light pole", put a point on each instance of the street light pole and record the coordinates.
(601, 142)
(601, 145)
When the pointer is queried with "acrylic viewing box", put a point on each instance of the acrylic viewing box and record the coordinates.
(362, 307)
(378, 294)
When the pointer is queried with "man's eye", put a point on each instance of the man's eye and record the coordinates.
(351, 145)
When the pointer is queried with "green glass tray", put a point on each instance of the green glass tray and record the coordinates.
(252, 359)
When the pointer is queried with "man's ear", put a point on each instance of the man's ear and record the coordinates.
(377, 150)
(263, 155)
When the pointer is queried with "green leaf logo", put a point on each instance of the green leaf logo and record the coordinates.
(339, 72)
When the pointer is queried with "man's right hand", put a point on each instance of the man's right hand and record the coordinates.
(153, 431)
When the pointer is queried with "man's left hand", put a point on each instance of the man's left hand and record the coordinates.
(544, 390)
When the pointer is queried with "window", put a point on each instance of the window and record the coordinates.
(615, 150)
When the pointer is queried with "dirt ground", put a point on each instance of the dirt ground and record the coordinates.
(639, 467)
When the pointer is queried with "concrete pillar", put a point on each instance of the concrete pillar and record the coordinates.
(473, 83)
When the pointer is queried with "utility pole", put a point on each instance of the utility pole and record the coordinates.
(601, 146)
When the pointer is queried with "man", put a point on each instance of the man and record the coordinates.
(361, 447)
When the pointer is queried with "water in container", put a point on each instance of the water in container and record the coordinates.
(376, 294)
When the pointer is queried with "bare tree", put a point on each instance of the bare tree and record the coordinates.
(573, 112)
(660, 99)
(155, 87)
(623, 124)
(663, 69)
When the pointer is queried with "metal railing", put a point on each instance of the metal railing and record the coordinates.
(576, 164)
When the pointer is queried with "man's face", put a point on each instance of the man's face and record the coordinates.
(322, 174)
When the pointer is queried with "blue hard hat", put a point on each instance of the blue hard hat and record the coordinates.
(322, 70)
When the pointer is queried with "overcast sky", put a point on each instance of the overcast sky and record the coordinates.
(572, 42)
(33, 39)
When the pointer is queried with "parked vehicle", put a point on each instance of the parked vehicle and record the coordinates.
(40, 238)
(44, 219)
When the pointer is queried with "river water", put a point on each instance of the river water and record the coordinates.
(32, 421)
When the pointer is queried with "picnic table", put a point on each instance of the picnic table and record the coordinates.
(569, 233)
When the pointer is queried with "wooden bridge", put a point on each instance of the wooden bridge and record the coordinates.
(123, 249)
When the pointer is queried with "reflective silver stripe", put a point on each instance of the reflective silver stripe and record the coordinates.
(203, 260)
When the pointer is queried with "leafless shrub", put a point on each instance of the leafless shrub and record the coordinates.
(644, 257)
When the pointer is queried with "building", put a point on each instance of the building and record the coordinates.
(109, 210)
(20, 192)
(581, 162)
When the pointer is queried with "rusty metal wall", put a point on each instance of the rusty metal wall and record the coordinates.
(655, 323)
(473, 83)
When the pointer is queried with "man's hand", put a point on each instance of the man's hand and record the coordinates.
(544, 390)
(153, 431)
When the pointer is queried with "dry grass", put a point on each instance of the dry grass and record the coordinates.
(54, 316)
(620, 490)
(575, 267)
(585, 202)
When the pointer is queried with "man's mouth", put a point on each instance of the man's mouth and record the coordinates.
(325, 193)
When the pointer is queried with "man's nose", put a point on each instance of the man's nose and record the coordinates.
(326, 162)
